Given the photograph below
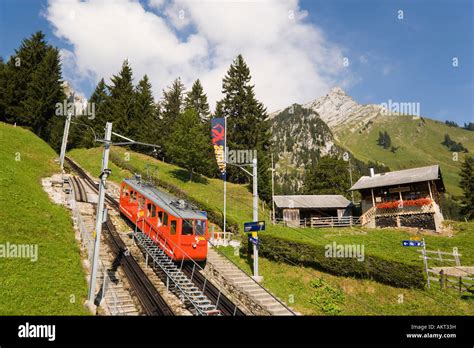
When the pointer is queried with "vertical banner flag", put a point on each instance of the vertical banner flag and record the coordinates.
(218, 141)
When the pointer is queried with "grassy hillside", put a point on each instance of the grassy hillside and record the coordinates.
(55, 283)
(419, 145)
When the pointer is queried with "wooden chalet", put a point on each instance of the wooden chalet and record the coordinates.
(403, 198)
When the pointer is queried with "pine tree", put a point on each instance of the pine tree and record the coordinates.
(43, 92)
(247, 125)
(196, 99)
(120, 106)
(172, 104)
(146, 121)
(467, 185)
(19, 73)
(91, 125)
(387, 141)
(329, 176)
(188, 144)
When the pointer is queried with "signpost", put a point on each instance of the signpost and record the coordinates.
(254, 226)
(410, 243)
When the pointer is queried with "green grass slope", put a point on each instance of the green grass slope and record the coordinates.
(55, 283)
(419, 145)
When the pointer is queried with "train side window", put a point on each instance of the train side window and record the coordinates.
(125, 191)
(187, 227)
(200, 227)
(153, 210)
(173, 227)
(160, 218)
(141, 202)
(148, 210)
(132, 195)
(165, 219)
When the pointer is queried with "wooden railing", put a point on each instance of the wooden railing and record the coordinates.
(316, 222)
(405, 210)
(367, 216)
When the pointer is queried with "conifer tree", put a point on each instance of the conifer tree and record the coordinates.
(120, 105)
(196, 99)
(173, 102)
(81, 134)
(146, 115)
(43, 92)
(19, 73)
(329, 176)
(467, 185)
(247, 124)
(188, 144)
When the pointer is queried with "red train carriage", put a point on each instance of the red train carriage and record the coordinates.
(179, 230)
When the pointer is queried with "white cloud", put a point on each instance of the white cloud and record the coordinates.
(289, 58)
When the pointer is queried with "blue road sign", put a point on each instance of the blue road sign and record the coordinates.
(254, 241)
(415, 243)
(254, 226)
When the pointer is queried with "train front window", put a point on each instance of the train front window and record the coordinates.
(187, 228)
(173, 227)
(200, 227)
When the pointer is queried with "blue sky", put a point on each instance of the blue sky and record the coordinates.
(407, 60)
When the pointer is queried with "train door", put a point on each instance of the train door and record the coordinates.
(187, 235)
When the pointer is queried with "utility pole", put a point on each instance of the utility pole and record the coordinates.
(255, 219)
(225, 174)
(66, 132)
(273, 191)
(350, 175)
(104, 172)
(64, 143)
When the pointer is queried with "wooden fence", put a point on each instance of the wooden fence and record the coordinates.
(316, 222)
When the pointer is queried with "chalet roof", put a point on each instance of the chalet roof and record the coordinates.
(165, 200)
(312, 201)
(399, 177)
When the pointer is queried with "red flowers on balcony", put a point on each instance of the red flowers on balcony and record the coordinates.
(408, 203)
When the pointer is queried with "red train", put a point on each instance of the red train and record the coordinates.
(182, 232)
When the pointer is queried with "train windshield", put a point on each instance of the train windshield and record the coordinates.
(200, 227)
(187, 228)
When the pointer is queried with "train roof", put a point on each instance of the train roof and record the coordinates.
(164, 200)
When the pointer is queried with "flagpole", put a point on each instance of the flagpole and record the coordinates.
(225, 173)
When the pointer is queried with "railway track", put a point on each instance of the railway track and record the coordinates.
(223, 303)
(149, 297)
(80, 193)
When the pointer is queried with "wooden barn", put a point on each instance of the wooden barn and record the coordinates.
(313, 210)
(403, 198)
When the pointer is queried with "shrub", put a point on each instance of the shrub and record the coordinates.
(309, 255)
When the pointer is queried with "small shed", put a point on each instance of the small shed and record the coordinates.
(294, 209)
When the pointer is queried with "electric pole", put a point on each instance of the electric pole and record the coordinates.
(104, 172)
(64, 142)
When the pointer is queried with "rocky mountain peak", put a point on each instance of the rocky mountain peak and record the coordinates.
(337, 108)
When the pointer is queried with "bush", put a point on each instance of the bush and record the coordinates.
(373, 267)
